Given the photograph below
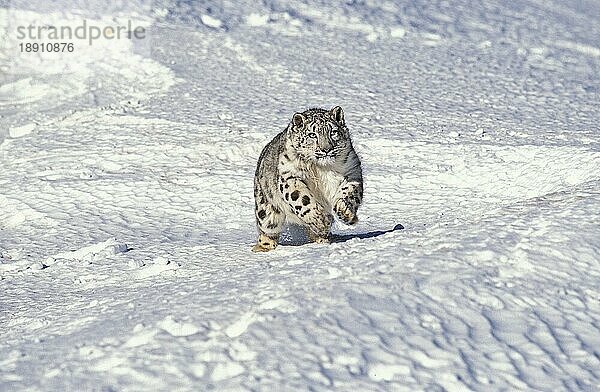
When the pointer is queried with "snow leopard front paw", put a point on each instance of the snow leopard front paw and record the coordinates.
(346, 211)
(320, 238)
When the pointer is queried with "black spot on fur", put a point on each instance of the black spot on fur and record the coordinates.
(287, 186)
(265, 243)
(287, 196)
(262, 214)
(295, 195)
(280, 187)
(286, 156)
(298, 208)
(305, 200)
(306, 212)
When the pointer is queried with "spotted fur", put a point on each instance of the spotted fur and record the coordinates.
(306, 174)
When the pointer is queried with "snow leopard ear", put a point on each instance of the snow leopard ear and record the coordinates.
(298, 120)
(338, 114)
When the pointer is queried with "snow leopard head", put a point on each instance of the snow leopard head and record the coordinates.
(320, 135)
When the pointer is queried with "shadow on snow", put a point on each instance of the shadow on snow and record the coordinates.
(295, 235)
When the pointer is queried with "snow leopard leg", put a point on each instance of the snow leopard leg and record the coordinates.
(269, 220)
(306, 207)
(349, 197)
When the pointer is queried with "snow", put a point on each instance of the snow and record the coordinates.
(210, 21)
(126, 205)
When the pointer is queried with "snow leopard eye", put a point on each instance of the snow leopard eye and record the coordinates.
(312, 135)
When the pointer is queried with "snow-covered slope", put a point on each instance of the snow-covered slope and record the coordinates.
(126, 211)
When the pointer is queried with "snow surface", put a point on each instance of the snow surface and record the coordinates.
(126, 210)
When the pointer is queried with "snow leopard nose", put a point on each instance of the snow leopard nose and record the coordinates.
(327, 148)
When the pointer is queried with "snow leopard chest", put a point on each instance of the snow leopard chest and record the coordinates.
(325, 183)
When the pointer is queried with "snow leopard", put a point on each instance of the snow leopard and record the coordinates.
(307, 173)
